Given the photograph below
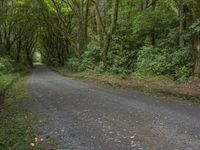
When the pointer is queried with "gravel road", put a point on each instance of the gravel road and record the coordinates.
(86, 116)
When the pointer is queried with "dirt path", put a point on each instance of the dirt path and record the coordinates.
(84, 116)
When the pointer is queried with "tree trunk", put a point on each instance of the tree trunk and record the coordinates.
(108, 37)
(181, 23)
(86, 21)
(1, 37)
(197, 55)
(153, 35)
(8, 47)
(29, 58)
(19, 44)
(196, 44)
(142, 5)
(100, 4)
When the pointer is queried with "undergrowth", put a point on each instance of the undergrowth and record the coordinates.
(16, 132)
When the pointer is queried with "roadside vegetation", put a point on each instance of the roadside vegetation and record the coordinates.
(16, 124)
(152, 45)
(8, 74)
(15, 129)
(188, 92)
(140, 38)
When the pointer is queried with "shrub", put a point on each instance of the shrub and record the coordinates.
(73, 64)
(5, 80)
(51, 61)
(154, 61)
(122, 55)
(6, 65)
(90, 59)
(162, 61)
(20, 67)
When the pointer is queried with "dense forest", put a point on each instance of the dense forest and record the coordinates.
(141, 37)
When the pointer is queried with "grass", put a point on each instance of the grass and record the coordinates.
(16, 132)
(185, 92)
(6, 80)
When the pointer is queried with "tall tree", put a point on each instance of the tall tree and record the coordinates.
(196, 8)
(107, 34)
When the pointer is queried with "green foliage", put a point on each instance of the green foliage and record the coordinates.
(51, 61)
(195, 27)
(89, 61)
(160, 61)
(6, 80)
(123, 53)
(59, 35)
(73, 64)
(91, 56)
(156, 22)
(15, 131)
(170, 40)
(8, 65)
(16, 124)
(153, 60)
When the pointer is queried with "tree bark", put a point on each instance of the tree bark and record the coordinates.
(108, 37)
(99, 22)
(29, 58)
(196, 38)
(153, 35)
(86, 21)
(181, 23)
(19, 44)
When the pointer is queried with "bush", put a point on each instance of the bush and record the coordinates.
(90, 59)
(158, 61)
(73, 64)
(154, 61)
(122, 55)
(183, 73)
(6, 65)
(21, 67)
(5, 80)
(51, 61)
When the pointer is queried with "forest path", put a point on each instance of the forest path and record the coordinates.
(84, 116)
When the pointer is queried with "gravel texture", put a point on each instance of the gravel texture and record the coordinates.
(85, 116)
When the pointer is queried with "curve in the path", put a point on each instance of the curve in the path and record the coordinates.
(84, 116)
